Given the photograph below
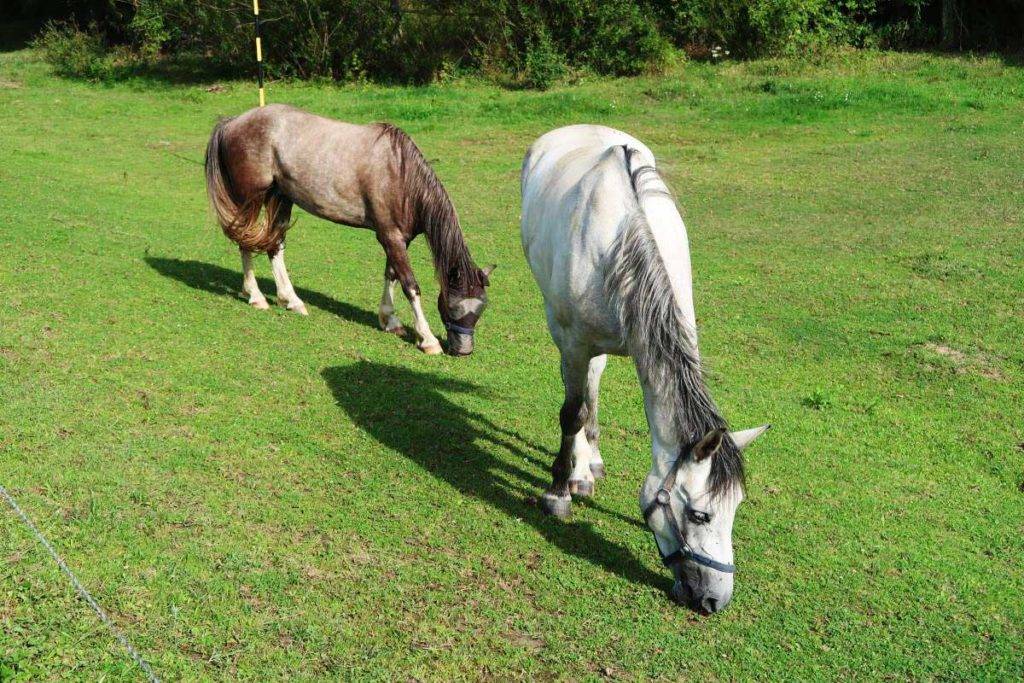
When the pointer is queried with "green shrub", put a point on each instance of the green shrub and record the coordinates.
(526, 42)
(543, 63)
(763, 27)
(623, 41)
(74, 52)
(148, 28)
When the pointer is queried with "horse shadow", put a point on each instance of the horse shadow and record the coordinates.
(409, 412)
(226, 282)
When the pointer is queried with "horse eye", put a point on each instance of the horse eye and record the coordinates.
(698, 517)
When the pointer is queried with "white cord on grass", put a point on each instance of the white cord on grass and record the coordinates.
(84, 594)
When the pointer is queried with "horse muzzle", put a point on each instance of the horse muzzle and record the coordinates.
(702, 601)
(460, 340)
(702, 590)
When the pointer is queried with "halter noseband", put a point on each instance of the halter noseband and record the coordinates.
(459, 329)
(663, 501)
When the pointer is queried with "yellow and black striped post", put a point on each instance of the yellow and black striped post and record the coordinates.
(259, 50)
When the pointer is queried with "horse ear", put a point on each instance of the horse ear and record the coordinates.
(709, 445)
(485, 274)
(745, 437)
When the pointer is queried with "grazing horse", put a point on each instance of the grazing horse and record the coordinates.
(609, 251)
(369, 176)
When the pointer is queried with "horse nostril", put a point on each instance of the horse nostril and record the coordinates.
(710, 605)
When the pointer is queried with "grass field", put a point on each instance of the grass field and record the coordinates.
(259, 495)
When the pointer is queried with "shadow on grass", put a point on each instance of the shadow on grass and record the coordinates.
(408, 411)
(225, 282)
(185, 69)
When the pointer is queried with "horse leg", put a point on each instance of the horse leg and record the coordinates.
(389, 322)
(249, 286)
(398, 258)
(587, 463)
(557, 500)
(281, 214)
(286, 295)
(592, 428)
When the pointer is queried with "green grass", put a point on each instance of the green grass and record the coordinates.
(258, 495)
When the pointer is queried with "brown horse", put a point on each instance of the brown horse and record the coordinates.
(369, 176)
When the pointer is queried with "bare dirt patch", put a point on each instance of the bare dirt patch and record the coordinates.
(977, 362)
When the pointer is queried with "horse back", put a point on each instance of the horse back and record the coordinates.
(577, 199)
(339, 171)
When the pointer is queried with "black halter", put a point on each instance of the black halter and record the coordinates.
(452, 327)
(663, 501)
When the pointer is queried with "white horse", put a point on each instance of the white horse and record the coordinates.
(609, 251)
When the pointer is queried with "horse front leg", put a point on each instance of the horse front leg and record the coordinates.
(398, 259)
(557, 500)
(249, 285)
(389, 322)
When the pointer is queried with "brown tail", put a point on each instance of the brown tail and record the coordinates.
(240, 220)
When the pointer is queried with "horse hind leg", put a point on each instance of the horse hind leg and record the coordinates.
(592, 429)
(279, 212)
(249, 285)
(581, 481)
(587, 463)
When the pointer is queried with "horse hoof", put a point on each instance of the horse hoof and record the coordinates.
(581, 487)
(597, 469)
(397, 331)
(260, 304)
(432, 350)
(555, 505)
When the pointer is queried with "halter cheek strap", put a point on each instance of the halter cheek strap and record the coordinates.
(663, 501)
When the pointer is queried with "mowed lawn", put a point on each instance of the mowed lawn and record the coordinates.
(259, 495)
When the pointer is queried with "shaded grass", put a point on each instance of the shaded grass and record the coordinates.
(259, 495)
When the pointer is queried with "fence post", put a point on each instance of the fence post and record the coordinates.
(259, 49)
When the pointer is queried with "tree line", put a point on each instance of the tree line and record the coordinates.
(531, 43)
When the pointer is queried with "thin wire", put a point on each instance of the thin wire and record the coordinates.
(82, 592)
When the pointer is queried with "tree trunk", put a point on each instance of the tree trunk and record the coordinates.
(950, 24)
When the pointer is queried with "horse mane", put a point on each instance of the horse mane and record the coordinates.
(657, 334)
(432, 210)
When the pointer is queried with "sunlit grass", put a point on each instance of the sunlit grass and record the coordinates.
(260, 495)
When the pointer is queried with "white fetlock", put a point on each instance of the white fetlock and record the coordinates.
(258, 301)
(583, 488)
(596, 464)
(431, 347)
(581, 481)
(295, 305)
(390, 323)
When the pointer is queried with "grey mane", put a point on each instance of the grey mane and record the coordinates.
(432, 210)
(656, 333)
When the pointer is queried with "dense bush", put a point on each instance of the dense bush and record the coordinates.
(74, 52)
(532, 43)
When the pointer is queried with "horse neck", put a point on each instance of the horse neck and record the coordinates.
(679, 407)
(658, 206)
(650, 284)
